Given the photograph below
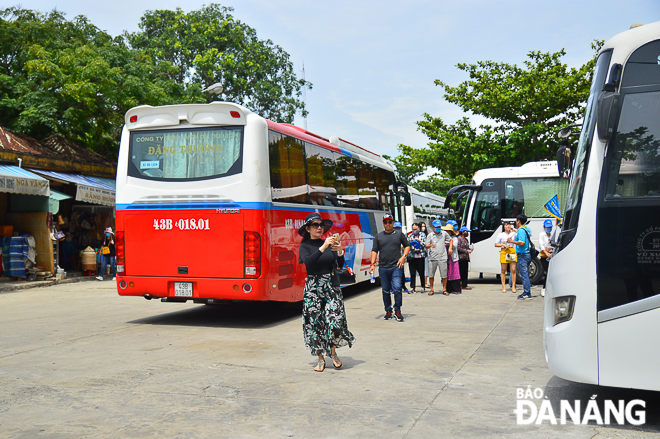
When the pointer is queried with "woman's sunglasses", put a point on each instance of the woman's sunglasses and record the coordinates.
(316, 225)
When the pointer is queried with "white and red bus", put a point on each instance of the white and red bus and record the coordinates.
(210, 198)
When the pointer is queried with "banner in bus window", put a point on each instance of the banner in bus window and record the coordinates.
(186, 153)
(529, 196)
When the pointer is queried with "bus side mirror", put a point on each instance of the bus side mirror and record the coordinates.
(406, 199)
(608, 111)
(564, 159)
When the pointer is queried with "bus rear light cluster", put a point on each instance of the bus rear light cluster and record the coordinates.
(119, 248)
(133, 119)
(235, 114)
(252, 255)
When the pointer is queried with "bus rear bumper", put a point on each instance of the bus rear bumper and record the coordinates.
(152, 287)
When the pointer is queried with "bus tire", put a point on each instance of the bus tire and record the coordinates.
(535, 272)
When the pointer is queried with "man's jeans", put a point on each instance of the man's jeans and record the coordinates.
(391, 279)
(524, 259)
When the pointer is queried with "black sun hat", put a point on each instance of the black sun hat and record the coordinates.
(309, 219)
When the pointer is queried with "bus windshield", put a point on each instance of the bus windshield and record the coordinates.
(186, 154)
(576, 187)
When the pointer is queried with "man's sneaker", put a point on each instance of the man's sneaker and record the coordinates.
(99, 277)
(388, 315)
(542, 292)
(525, 296)
(405, 289)
(398, 316)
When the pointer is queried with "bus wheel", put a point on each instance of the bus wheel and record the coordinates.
(535, 272)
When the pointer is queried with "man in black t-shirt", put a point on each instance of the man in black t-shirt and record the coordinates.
(388, 244)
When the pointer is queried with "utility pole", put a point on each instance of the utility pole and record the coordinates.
(304, 95)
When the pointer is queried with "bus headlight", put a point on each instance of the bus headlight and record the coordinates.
(563, 308)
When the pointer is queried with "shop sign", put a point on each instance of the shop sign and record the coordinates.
(95, 195)
(22, 185)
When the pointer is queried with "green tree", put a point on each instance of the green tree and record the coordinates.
(526, 105)
(69, 78)
(210, 46)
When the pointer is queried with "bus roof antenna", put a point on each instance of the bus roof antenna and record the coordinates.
(214, 89)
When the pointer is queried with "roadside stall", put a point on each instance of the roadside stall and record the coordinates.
(83, 216)
(24, 222)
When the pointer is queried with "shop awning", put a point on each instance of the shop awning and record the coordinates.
(89, 189)
(54, 200)
(17, 180)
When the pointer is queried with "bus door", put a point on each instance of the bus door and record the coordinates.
(484, 219)
(628, 235)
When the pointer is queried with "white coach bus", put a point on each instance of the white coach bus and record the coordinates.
(498, 195)
(602, 308)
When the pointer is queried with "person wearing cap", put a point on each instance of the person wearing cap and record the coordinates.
(387, 248)
(453, 269)
(425, 231)
(522, 242)
(464, 256)
(437, 255)
(417, 240)
(109, 258)
(546, 250)
(324, 316)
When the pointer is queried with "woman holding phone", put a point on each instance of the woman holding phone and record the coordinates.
(324, 317)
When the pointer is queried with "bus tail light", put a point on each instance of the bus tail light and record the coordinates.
(563, 308)
(252, 255)
(119, 248)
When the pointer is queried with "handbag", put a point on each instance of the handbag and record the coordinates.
(533, 252)
(105, 250)
(510, 257)
(337, 273)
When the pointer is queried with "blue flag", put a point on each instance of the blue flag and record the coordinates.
(552, 207)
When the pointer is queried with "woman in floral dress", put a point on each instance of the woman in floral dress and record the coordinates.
(324, 317)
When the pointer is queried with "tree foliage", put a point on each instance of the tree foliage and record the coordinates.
(210, 46)
(67, 77)
(526, 105)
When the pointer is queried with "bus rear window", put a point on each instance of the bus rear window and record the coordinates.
(186, 154)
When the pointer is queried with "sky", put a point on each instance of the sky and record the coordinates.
(373, 63)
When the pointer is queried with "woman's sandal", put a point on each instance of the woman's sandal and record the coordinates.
(431, 293)
(320, 366)
(504, 290)
(335, 361)
(445, 292)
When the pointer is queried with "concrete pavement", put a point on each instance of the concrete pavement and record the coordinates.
(79, 361)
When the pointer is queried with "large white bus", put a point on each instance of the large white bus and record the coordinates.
(424, 207)
(498, 195)
(210, 198)
(602, 308)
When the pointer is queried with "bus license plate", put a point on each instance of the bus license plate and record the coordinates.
(183, 289)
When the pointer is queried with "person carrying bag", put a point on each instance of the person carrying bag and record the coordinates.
(324, 317)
